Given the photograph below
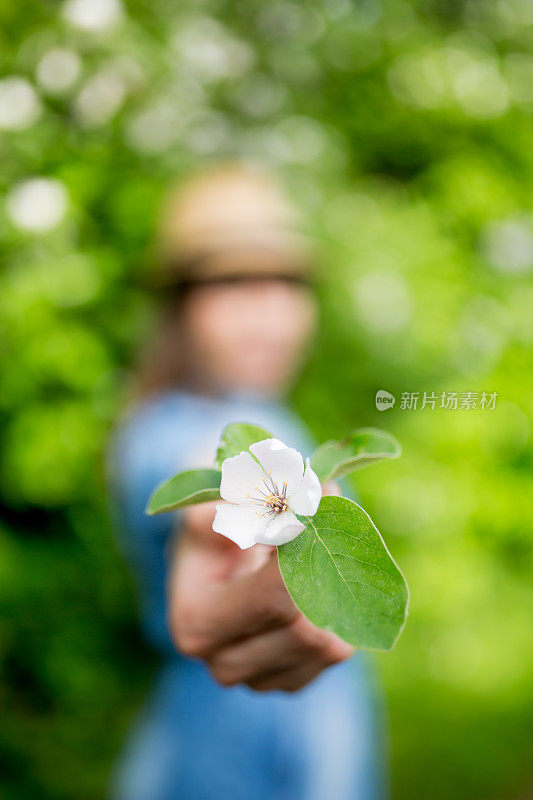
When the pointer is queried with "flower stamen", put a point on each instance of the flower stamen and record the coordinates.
(273, 499)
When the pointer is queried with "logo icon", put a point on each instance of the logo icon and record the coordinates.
(384, 400)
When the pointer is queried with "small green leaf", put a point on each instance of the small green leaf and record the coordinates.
(185, 489)
(361, 447)
(342, 577)
(238, 436)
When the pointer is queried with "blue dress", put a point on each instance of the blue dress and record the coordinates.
(195, 740)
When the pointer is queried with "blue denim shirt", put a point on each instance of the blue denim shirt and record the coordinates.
(196, 740)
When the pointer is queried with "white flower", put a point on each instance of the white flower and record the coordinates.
(264, 497)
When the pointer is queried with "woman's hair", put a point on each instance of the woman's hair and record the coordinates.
(162, 363)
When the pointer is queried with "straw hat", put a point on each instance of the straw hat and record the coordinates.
(228, 221)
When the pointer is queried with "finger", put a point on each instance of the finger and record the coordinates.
(216, 614)
(289, 680)
(331, 488)
(259, 655)
(198, 522)
(199, 525)
(279, 649)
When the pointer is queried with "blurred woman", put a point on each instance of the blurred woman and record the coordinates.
(252, 701)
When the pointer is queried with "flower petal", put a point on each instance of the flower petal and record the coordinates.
(281, 528)
(241, 524)
(240, 474)
(306, 498)
(285, 464)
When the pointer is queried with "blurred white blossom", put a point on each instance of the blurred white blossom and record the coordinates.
(299, 139)
(209, 52)
(258, 95)
(93, 15)
(209, 132)
(476, 80)
(129, 70)
(154, 129)
(19, 104)
(58, 70)
(37, 205)
(507, 244)
(282, 20)
(100, 98)
(465, 71)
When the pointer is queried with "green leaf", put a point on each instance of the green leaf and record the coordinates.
(342, 577)
(361, 447)
(185, 489)
(238, 436)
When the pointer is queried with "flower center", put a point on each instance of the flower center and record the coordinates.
(276, 502)
(274, 499)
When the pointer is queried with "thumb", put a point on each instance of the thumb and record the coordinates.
(331, 488)
(199, 524)
(199, 518)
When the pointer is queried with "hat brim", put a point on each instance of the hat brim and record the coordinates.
(244, 262)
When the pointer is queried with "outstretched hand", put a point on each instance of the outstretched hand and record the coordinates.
(230, 608)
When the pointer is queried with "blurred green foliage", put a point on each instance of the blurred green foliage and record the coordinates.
(404, 132)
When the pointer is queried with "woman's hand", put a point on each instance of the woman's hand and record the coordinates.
(230, 608)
